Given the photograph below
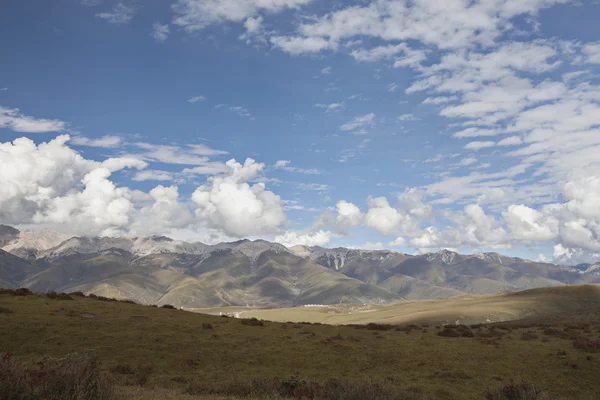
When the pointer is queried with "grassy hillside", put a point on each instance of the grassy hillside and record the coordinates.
(155, 350)
(469, 309)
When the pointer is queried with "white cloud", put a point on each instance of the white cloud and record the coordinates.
(160, 32)
(370, 246)
(359, 122)
(317, 187)
(511, 141)
(298, 45)
(479, 145)
(195, 15)
(165, 213)
(285, 166)
(407, 117)
(191, 154)
(196, 99)
(348, 215)
(228, 203)
(440, 99)
(398, 242)
(13, 119)
(104, 141)
(120, 14)
(468, 161)
(592, 53)
(381, 217)
(293, 238)
(153, 175)
(326, 71)
(332, 107)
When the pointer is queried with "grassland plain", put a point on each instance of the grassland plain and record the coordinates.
(464, 309)
(168, 350)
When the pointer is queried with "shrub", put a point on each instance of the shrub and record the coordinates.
(58, 296)
(587, 345)
(207, 326)
(128, 301)
(517, 391)
(379, 327)
(77, 293)
(170, 307)
(6, 291)
(556, 332)
(5, 311)
(297, 388)
(122, 369)
(21, 292)
(447, 332)
(74, 377)
(529, 336)
(252, 322)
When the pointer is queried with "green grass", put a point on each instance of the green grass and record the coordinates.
(174, 349)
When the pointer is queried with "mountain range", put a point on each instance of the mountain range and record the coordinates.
(160, 270)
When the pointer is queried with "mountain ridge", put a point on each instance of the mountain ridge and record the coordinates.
(161, 270)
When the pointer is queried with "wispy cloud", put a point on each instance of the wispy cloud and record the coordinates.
(358, 123)
(284, 165)
(104, 141)
(120, 14)
(13, 119)
(160, 32)
(196, 99)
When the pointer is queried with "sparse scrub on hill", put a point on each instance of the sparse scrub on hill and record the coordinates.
(252, 322)
(295, 387)
(77, 293)
(447, 332)
(75, 377)
(517, 391)
(5, 310)
(587, 345)
(58, 296)
(528, 335)
(170, 307)
(21, 292)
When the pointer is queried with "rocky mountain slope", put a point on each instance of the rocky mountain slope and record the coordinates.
(159, 270)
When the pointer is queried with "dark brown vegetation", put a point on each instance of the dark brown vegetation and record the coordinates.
(517, 391)
(58, 296)
(74, 377)
(297, 388)
(252, 322)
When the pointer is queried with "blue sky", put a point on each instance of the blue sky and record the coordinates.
(377, 124)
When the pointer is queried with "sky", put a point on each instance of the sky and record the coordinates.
(378, 124)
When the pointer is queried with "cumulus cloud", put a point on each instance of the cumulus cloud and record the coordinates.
(293, 238)
(13, 119)
(165, 213)
(227, 202)
(348, 215)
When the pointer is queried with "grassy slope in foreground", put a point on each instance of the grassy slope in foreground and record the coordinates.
(178, 349)
(467, 309)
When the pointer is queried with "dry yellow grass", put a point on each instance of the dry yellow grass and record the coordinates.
(464, 309)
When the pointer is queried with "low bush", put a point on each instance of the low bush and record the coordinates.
(5, 311)
(58, 296)
(447, 332)
(75, 377)
(529, 336)
(252, 322)
(517, 391)
(587, 345)
(298, 388)
(170, 307)
(77, 294)
(22, 292)
(207, 326)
